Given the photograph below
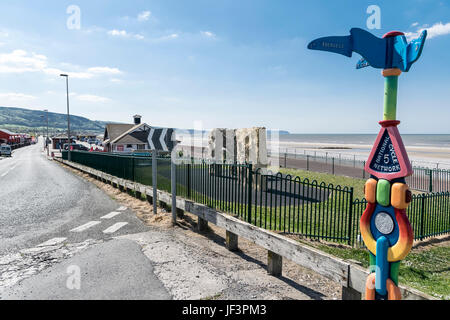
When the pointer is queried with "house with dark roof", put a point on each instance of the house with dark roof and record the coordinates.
(119, 137)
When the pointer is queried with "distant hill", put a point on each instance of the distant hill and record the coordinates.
(30, 121)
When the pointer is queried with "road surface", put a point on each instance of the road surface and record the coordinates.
(51, 219)
(61, 237)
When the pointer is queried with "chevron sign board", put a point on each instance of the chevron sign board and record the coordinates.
(161, 139)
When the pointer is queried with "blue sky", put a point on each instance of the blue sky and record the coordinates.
(224, 63)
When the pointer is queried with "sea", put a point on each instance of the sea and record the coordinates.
(426, 150)
(429, 150)
(417, 140)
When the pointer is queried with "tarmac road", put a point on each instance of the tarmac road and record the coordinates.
(49, 215)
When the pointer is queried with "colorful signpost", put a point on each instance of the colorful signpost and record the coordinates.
(384, 226)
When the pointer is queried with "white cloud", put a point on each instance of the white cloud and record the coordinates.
(20, 61)
(125, 34)
(118, 33)
(13, 96)
(91, 98)
(144, 16)
(115, 80)
(208, 34)
(104, 70)
(436, 30)
(169, 37)
(414, 24)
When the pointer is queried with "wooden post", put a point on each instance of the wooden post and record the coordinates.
(202, 225)
(138, 195)
(274, 263)
(231, 241)
(350, 294)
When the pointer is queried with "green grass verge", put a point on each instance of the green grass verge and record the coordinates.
(426, 270)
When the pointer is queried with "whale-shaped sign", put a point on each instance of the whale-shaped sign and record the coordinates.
(391, 51)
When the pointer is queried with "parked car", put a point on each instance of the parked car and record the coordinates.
(76, 146)
(5, 150)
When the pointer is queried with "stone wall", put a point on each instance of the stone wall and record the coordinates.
(241, 145)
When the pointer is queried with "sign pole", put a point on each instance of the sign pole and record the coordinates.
(174, 191)
(154, 182)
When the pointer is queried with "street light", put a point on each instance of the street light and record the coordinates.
(68, 116)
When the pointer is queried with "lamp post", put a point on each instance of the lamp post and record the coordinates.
(68, 115)
(46, 139)
(42, 117)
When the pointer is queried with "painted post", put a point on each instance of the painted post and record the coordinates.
(384, 226)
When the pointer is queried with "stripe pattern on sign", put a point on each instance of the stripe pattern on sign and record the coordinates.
(161, 139)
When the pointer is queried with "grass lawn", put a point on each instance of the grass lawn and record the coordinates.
(357, 184)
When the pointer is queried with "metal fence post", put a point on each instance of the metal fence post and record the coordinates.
(285, 159)
(350, 218)
(174, 191)
(430, 188)
(364, 172)
(422, 217)
(188, 182)
(134, 169)
(307, 162)
(332, 166)
(249, 195)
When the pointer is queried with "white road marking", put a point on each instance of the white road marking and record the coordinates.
(52, 242)
(8, 171)
(111, 215)
(122, 208)
(85, 226)
(115, 227)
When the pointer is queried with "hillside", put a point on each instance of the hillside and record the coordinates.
(30, 121)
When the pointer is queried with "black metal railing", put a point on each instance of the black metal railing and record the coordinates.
(277, 202)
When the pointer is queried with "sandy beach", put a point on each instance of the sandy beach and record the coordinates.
(431, 156)
(419, 155)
